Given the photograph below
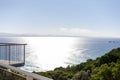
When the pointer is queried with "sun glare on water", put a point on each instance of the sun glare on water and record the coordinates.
(49, 52)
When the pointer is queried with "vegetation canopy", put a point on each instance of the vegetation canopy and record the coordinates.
(106, 67)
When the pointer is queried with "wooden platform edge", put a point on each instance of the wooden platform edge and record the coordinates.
(29, 76)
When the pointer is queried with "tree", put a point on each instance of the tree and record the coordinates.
(82, 75)
(116, 72)
(104, 73)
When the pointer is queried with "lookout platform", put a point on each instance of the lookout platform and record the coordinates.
(12, 54)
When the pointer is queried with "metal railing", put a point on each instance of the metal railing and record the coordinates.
(12, 54)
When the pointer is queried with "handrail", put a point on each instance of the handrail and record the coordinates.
(28, 75)
(12, 44)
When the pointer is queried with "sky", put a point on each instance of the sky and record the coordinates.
(61, 17)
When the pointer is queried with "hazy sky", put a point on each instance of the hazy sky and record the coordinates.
(63, 17)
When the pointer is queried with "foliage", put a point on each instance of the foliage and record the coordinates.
(106, 67)
(6, 75)
(82, 75)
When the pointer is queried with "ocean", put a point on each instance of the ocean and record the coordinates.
(47, 53)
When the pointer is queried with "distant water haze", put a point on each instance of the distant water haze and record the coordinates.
(47, 53)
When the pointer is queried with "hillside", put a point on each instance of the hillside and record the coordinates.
(106, 67)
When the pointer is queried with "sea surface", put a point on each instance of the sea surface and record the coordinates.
(47, 53)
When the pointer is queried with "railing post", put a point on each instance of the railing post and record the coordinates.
(29, 78)
(9, 54)
(24, 54)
